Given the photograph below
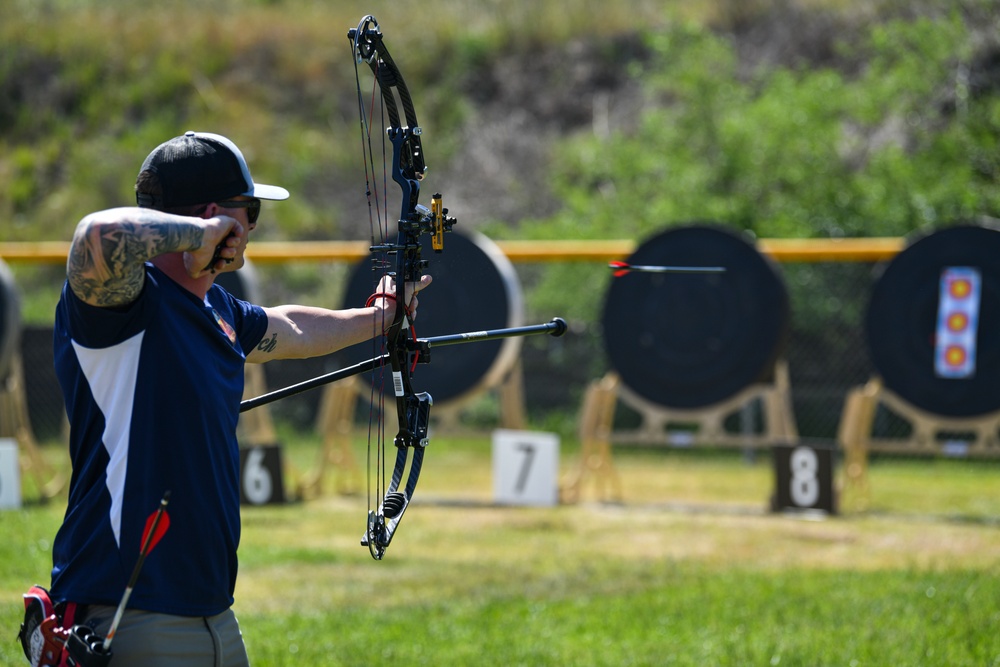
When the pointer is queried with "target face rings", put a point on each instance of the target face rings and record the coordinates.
(934, 318)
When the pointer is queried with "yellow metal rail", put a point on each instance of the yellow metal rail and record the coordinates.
(782, 250)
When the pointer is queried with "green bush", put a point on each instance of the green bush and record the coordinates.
(902, 143)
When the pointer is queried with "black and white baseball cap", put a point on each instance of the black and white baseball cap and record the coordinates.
(199, 168)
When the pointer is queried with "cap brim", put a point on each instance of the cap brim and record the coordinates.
(272, 192)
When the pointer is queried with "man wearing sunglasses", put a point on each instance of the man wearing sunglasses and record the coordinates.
(150, 355)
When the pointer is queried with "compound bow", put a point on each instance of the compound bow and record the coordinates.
(403, 257)
(400, 259)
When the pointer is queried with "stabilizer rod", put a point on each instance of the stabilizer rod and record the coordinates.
(557, 327)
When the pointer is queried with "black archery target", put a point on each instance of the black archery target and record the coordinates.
(901, 322)
(689, 341)
(10, 320)
(475, 288)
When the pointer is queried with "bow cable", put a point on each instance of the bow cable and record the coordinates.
(379, 263)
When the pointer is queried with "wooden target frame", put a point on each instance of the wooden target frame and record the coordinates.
(14, 418)
(675, 427)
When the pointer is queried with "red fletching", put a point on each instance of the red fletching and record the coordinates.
(155, 529)
(621, 268)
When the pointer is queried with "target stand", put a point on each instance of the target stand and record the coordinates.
(596, 464)
(693, 347)
(335, 423)
(933, 332)
(512, 415)
(706, 425)
(15, 422)
(930, 435)
(256, 427)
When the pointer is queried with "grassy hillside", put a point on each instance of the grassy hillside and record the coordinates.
(87, 88)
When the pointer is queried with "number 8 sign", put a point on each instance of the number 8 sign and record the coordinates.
(803, 478)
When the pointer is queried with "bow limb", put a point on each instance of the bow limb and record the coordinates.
(369, 48)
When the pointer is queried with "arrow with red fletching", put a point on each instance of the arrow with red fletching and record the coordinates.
(156, 526)
(621, 268)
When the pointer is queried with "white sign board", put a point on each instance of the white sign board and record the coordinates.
(525, 468)
(10, 475)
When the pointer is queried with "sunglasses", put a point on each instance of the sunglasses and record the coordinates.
(251, 205)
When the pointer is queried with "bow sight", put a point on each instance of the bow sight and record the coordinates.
(434, 221)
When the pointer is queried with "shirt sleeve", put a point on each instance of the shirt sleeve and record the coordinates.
(249, 320)
(95, 327)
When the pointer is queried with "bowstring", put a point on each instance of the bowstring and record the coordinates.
(376, 411)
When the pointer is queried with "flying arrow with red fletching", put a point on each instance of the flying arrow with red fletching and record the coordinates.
(621, 268)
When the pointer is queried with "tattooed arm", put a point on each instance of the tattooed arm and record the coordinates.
(299, 332)
(109, 248)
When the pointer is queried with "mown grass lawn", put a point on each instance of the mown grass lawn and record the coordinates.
(688, 569)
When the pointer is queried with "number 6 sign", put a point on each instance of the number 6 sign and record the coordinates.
(525, 467)
(260, 475)
(803, 477)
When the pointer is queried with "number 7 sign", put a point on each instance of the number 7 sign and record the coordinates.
(525, 467)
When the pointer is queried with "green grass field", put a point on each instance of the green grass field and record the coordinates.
(688, 569)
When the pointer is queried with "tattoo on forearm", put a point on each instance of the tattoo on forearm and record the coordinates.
(105, 266)
(268, 344)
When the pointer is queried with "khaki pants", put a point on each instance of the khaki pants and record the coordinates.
(161, 640)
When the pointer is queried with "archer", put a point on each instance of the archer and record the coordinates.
(150, 353)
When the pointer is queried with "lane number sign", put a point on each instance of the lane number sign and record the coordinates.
(260, 475)
(525, 467)
(803, 478)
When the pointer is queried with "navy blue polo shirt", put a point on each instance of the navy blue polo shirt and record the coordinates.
(152, 393)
